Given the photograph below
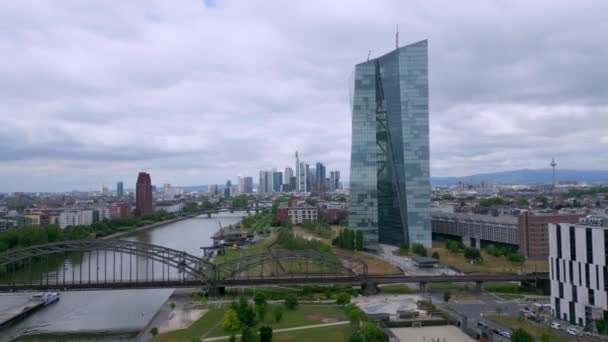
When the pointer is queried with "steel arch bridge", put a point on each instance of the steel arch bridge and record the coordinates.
(99, 264)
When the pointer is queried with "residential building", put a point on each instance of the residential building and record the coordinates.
(533, 232)
(303, 213)
(248, 185)
(578, 260)
(143, 194)
(277, 181)
(119, 189)
(389, 184)
(101, 213)
(75, 218)
(168, 192)
(170, 207)
(120, 210)
(213, 189)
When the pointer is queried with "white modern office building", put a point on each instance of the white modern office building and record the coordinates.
(578, 256)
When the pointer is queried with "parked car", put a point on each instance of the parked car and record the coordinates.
(482, 324)
(505, 333)
(556, 325)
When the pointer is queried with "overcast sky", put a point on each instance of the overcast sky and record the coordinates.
(196, 92)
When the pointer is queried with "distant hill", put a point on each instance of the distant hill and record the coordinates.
(538, 176)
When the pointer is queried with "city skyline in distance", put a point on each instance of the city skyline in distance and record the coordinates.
(504, 96)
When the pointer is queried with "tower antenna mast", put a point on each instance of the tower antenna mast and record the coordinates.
(553, 165)
(397, 38)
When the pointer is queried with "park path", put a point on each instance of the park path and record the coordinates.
(219, 338)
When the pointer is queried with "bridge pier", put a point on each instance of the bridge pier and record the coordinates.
(478, 286)
(208, 215)
(370, 288)
(422, 287)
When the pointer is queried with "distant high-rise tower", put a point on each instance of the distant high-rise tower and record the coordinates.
(119, 189)
(228, 189)
(298, 171)
(248, 185)
(553, 165)
(143, 194)
(390, 187)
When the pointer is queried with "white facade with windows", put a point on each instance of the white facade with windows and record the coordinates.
(579, 277)
(75, 218)
(297, 215)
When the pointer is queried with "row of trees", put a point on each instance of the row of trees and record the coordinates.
(318, 228)
(29, 236)
(349, 239)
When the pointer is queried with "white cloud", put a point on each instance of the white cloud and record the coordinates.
(96, 91)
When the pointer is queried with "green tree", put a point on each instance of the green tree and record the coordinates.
(419, 249)
(172, 305)
(546, 336)
(602, 326)
(435, 255)
(447, 197)
(265, 333)
(248, 335)
(278, 313)
(359, 240)
(231, 320)
(232, 338)
(154, 332)
(291, 302)
(372, 332)
(446, 296)
(259, 298)
(356, 316)
(261, 310)
(356, 337)
(522, 202)
(472, 253)
(343, 298)
(520, 335)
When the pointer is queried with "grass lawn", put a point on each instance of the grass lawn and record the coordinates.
(375, 265)
(535, 330)
(335, 334)
(210, 324)
(396, 289)
(197, 329)
(491, 264)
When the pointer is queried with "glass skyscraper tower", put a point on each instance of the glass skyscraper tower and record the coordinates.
(390, 187)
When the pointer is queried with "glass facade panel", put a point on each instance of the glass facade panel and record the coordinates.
(390, 185)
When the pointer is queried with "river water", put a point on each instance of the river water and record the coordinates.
(113, 315)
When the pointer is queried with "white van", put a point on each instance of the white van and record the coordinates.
(555, 325)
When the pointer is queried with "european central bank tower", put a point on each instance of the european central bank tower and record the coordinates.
(390, 186)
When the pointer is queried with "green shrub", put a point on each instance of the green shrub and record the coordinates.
(419, 249)
(291, 302)
(343, 298)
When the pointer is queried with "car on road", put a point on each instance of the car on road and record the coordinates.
(505, 333)
(556, 325)
(573, 331)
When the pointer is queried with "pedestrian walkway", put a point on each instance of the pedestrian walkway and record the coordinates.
(219, 338)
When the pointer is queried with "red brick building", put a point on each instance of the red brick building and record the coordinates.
(143, 194)
(533, 233)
